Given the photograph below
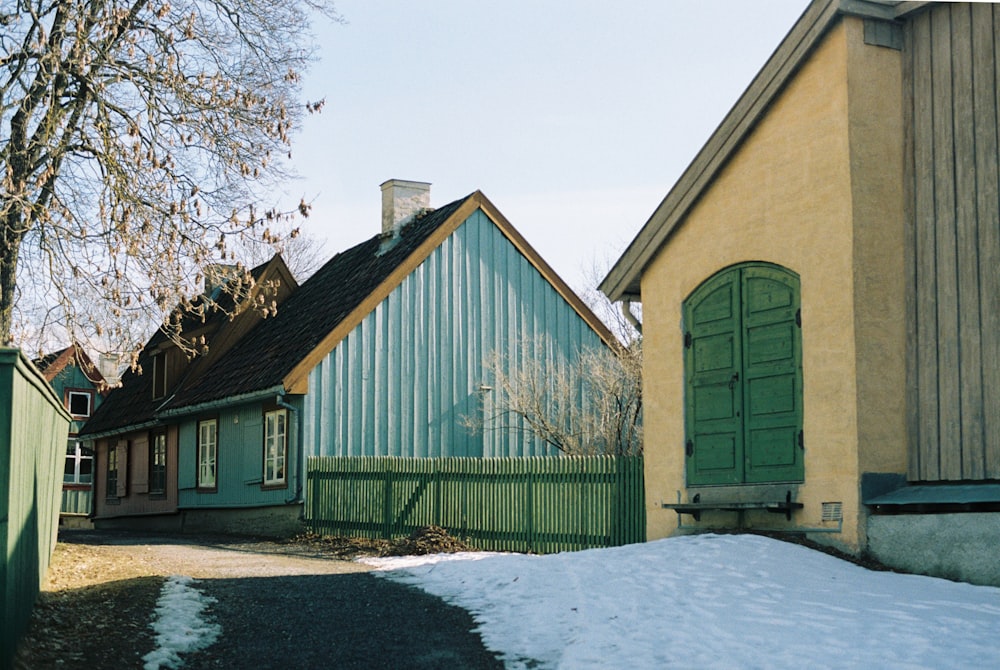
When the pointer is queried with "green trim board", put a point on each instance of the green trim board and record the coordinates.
(743, 377)
(939, 494)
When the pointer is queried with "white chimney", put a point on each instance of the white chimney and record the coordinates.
(401, 201)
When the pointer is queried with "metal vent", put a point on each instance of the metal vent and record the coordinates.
(833, 511)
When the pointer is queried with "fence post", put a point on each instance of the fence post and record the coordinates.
(386, 502)
(435, 479)
(530, 510)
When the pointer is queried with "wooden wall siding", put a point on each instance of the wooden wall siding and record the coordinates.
(76, 501)
(137, 499)
(240, 465)
(954, 243)
(72, 377)
(400, 383)
(33, 430)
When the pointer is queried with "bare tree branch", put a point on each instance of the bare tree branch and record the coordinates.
(135, 138)
(591, 404)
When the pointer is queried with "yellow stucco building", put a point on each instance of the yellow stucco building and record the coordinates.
(787, 281)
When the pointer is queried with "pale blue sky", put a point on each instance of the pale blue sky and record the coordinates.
(575, 117)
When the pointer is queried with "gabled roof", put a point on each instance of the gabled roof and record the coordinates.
(282, 350)
(623, 281)
(208, 311)
(52, 364)
(131, 404)
(278, 353)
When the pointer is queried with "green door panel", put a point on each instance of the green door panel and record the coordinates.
(716, 456)
(776, 447)
(713, 402)
(743, 371)
(772, 375)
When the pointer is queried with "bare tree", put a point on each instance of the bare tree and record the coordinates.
(591, 404)
(135, 138)
(622, 319)
(302, 253)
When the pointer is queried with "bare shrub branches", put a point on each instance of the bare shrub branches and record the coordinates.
(589, 405)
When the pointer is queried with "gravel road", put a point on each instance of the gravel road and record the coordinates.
(336, 621)
(279, 605)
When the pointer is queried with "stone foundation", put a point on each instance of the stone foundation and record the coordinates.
(961, 546)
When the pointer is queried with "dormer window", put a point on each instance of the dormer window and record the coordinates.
(159, 375)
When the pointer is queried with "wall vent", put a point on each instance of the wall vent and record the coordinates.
(833, 511)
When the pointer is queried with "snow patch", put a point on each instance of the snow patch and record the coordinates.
(180, 623)
(709, 601)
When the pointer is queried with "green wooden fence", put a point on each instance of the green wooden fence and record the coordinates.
(33, 430)
(541, 505)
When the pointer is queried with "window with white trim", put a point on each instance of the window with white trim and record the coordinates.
(208, 453)
(79, 464)
(275, 447)
(80, 403)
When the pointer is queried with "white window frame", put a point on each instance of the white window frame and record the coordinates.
(208, 454)
(89, 395)
(275, 447)
(76, 456)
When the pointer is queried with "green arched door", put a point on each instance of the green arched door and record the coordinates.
(743, 376)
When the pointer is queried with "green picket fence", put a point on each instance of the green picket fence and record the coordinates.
(33, 430)
(540, 505)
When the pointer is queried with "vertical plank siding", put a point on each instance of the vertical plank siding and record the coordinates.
(239, 460)
(403, 382)
(954, 333)
(986, 51)
(76, 501)
(540, 504)
(33, 430)
(137, 500)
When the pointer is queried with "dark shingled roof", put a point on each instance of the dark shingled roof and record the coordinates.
(263, 358)
(131, 403)
(45, 361)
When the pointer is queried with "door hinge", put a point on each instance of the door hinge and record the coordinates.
(687, 340)
(802, 441)
(798, 317)
(689, 448)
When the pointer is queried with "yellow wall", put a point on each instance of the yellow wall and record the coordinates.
(875, 90)
(789, 197)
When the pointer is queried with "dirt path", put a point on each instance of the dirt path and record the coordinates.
(279, 605)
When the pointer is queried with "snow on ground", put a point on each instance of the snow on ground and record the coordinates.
(179, 625)
(710, 601)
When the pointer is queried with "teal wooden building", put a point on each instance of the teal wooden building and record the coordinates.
(382, 352)
(81, 387)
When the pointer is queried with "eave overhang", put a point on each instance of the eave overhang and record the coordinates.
(623, 280)
(228, 401)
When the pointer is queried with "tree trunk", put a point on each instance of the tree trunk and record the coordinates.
(10, 242)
